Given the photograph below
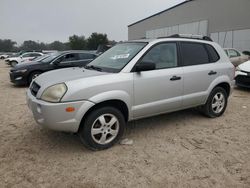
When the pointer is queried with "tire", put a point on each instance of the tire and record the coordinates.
(216, 103)
(95, 131)
(13, 63)
(33, 75)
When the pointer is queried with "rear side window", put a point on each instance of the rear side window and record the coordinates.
(86, 56)
(35, 55)
(213, 55)
(27, 55)
(193, 54)
(233, 53)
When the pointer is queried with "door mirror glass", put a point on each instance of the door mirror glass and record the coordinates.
(144, 66)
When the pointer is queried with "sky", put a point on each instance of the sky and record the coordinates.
(50, 20)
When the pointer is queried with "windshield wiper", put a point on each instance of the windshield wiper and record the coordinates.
(93, 67)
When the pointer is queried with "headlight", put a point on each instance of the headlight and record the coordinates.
(21, 71)
(54, 93)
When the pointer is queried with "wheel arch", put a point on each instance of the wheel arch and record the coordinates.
(116, 103)
(226, 86)
(28, 77)
(222, 81)
(13, 61)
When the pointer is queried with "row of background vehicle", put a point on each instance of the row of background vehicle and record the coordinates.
(235, 56)
(32, 64)
(24, 73)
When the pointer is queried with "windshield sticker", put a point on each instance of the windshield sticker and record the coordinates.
(122, 56)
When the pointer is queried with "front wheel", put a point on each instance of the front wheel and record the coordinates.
(216, 103)
(33, 75)
(13, 63)
(102, 128)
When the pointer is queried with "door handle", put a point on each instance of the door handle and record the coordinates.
(212, 73)
(174, 78)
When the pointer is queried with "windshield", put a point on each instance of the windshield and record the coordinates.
(51, 57)
(40, 58)
(117, 57)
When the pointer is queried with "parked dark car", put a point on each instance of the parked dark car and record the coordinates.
(24, 73)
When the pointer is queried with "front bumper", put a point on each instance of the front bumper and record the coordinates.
(54, 116)
(18, 78)
(242, 79)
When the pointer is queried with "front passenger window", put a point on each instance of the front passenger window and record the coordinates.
(163, 56)
(69, 57)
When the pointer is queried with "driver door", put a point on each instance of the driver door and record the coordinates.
(160, 90)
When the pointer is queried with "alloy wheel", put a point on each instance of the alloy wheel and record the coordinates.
(105, 129)
(218, 102)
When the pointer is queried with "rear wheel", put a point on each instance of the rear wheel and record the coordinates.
(216, 103)
(102, 128)
(33, 75)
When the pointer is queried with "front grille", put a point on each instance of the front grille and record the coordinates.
(34, 88)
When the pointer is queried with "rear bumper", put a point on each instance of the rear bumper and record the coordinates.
(54, 116)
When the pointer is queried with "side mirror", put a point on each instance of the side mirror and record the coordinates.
(144, 66)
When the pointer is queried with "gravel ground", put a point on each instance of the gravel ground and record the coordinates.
(182, 149)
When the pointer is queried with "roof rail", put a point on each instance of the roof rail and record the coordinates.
(189, 36)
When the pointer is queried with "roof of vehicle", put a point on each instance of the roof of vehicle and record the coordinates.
(230, 49)
(76, 51)
(170, 39)
(32, 53)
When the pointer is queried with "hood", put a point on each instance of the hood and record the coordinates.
(245, 66)
(63, 75)
(13, 58)
(26, 64)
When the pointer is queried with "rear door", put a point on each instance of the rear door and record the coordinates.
(160, 90)
(200, 69)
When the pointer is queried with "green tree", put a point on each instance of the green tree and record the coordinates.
(30, 45)
(77, 42)
(97, 39)
(7, 45)
(57, 45)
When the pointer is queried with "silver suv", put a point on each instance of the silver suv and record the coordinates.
(130, 81)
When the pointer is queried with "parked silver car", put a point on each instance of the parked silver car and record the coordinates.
(130, 81)
(235, 56)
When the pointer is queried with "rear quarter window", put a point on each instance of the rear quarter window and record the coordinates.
(86, 56)
(213, 55)
(193, 53)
